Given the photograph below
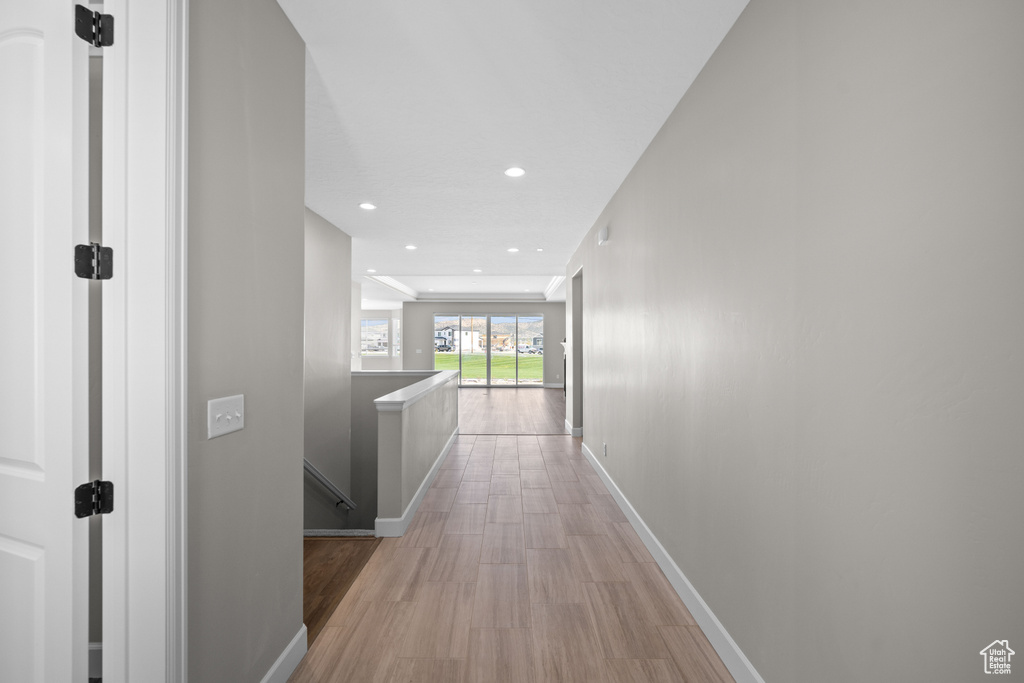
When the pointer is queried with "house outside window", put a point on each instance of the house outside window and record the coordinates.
(380, 337)
(374, 337)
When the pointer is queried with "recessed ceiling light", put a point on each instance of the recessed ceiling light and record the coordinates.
(512, 250)
(526, 290)
(515, 172)
(430, 290)
(410, 247)
(540, 250)
(368, 206)
(370, 270)
(477, 270)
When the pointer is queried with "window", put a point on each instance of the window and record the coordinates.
(396, 336)
(446, 332)
(374, 337)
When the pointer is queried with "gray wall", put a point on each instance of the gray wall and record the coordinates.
(245, 314)
(365, 388)
(819, 258)
(357, 304)
(425, 427)
(418, 330)
(328, 375)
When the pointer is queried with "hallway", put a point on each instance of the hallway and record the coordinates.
(508, 410)
(518, 566)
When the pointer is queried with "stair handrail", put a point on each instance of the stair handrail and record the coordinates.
(328, 484)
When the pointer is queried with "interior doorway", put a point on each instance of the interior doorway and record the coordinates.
(577, 353)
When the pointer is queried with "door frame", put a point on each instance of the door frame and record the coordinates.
(144, 349)
(574, 421)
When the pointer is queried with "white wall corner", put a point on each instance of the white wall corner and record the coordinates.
(289, 659)
(574, 431)
(732, 656)
(393, 527)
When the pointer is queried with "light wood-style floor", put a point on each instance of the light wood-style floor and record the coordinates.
(518, 566)
(330, 566)
(511, 411)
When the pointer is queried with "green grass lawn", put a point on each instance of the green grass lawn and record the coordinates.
(503, 367)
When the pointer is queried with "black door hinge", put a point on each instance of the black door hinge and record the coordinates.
(94, 498)
(94, 262)
(94, 28)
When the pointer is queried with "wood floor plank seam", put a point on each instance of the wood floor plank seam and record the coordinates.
(518, 566)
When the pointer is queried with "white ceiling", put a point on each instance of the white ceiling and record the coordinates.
(419, 107)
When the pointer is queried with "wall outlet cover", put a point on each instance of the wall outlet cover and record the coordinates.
(225, 415)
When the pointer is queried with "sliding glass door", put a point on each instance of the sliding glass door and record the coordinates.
(491, 350)
(530, 349)
(472, 346)
(503, 350)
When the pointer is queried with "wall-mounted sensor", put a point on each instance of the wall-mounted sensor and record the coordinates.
(602, 235)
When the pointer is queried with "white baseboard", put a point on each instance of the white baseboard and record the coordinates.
(288, 660)
(733, 658)
(553, 385)
(337, 533)
(393, 527)
(575, 431)
(95, 660)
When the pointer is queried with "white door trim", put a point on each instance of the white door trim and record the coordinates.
(177, 291)
(144, 351)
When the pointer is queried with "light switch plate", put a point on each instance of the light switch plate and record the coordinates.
(225, 415)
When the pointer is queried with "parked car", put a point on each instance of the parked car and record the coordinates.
(443, 348)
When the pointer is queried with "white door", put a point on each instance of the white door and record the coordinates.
(43, 334)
